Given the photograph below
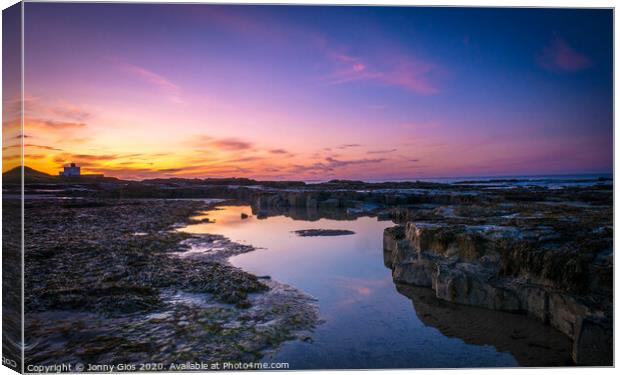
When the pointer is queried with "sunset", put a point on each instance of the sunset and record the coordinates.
(137, 91)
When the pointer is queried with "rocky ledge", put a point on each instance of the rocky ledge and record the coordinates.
(550, 260)
(323, 232)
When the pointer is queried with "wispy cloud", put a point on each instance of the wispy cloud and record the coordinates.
(336, 163)
(231, 144)
(225, 144)
(36, 156)
(348, 145)
(330, 164)
(42, 147)
(84, 159)
(560, 56)
(413, 75)
(349, 68)
(162, 83)
(278, 151)
(392, 68)
(52, 124)
(382, 151)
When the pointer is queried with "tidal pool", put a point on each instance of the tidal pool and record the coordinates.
(367, 321)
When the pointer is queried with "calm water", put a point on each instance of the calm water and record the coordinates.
(368, 323)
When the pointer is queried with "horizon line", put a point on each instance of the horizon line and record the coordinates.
(368, 180)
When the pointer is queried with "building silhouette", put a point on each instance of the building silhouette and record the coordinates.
(71, 170)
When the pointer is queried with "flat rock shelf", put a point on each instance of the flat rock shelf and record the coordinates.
(323, 232)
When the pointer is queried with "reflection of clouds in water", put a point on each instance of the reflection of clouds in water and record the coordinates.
(222, 217)
(367, 322)
(359, 289)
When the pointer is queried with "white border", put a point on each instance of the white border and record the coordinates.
(466, 3)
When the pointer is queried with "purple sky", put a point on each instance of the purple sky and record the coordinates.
(276, 92)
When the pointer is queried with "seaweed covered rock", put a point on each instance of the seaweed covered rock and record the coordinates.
(113, 280)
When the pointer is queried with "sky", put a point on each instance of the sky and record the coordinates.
(312, 93)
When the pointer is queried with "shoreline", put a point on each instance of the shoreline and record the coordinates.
(167, 316)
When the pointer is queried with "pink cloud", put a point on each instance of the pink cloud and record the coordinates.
(278, 151)
(231, 144)
(52, 124)
(414, 75)
(173, 91)
(349, 68)
(560, 56)
(398, 70)
(225, 144)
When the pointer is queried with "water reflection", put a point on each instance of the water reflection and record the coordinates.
(308, 213)
(367, 322)
(532, 343)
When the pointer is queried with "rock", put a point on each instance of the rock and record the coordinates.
(329, 203)
(311, 202)
(566, 313)
(323, 232)
(391, 237)
(530, 258)
(415, 273)
(470, 284)
(535, 301)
